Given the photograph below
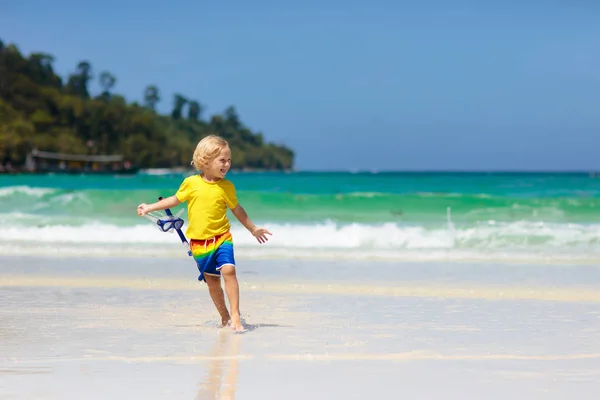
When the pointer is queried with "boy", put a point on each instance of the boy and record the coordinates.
(208, 195)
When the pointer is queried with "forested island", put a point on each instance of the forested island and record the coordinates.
(40, 111)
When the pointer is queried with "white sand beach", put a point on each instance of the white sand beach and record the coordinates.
(98, 328)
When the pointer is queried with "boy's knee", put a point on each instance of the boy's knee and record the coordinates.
(228, 270)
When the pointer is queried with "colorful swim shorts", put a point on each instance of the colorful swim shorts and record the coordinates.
(212, 254)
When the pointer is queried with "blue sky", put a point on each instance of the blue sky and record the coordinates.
(379, 85)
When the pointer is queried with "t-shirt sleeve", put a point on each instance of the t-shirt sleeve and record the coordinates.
(184, 191)
(230, 195)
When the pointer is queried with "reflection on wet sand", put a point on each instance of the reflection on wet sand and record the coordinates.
(221, 379)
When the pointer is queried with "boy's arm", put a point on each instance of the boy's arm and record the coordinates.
(243, 217)
(259, 233)
(168, 202)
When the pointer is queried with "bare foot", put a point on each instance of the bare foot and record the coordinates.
(236, 324)
(225, 322)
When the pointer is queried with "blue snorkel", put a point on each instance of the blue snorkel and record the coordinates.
(176, 223)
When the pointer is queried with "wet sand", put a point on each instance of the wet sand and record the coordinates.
(145, 328)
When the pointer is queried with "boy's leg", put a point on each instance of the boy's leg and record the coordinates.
(206, 262)
(225, 262)
(233, 294)
(216, 294)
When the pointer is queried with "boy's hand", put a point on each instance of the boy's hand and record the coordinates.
(260, 234)
(143, 209)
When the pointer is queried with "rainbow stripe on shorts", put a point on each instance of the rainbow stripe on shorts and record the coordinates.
(212, 254)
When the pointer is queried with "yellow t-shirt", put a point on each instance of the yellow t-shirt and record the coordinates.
(207, 206)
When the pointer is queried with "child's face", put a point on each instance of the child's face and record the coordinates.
(221, 164)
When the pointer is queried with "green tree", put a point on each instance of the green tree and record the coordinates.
(41, 71)
(194, 111)
(78, 82)
(231, 117)
(179, 102)
(151, 97)
(107, 81)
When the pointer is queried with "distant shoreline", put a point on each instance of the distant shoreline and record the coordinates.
(186, 171)
(393, 172)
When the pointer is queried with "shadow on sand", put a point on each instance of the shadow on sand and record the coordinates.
(252, 327)
(248, 327)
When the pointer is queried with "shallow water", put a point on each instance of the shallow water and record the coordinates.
(123, 328)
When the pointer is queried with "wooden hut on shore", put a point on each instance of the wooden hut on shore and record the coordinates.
(48, 162)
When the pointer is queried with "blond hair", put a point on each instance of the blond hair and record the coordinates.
(207, 150)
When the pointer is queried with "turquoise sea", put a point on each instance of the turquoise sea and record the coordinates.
(486, 216)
